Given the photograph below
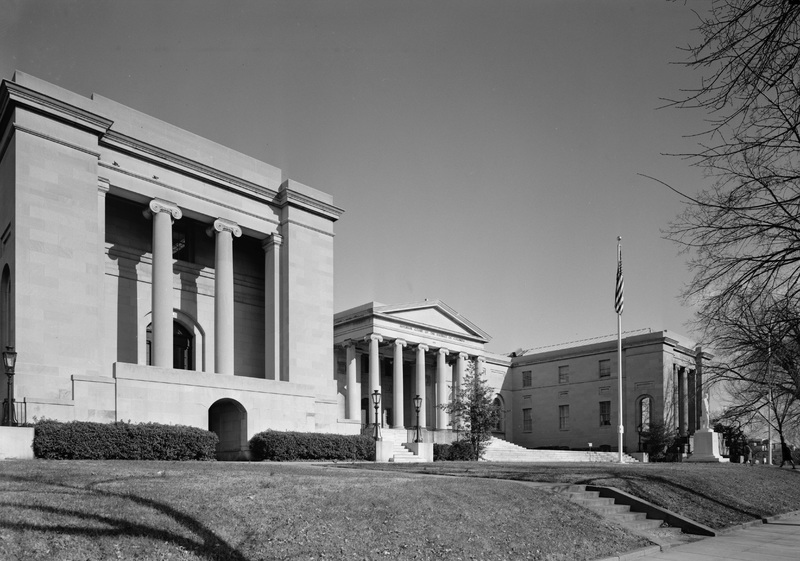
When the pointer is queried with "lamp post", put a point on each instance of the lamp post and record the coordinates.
(9, 362)
(639, 430)
(376, 402)
(417, 405)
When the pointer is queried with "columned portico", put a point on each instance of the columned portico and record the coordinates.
(399, 340)
(442, 376)
(397, 384)
(419, 386)
(224, 232)
(163, 213)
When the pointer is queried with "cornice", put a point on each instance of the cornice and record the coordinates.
(288, 197)
(124, 143)
(12, 93)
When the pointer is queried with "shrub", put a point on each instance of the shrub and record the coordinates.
(457, 451)
(660, 441)
(292, 446)
(78, 440)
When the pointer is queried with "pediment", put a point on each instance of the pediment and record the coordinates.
(434, 315)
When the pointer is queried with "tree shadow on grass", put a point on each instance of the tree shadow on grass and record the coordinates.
(209, 545)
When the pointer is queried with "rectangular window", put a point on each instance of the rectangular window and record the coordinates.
(605, 413)
(563, 374)
(605, 368)
(563, 417)
(527, 420)
(527, 380)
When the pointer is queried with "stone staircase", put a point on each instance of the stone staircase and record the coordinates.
(402, 455)
(500, 450)
(605, 507)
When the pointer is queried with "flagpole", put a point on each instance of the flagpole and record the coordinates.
(618, 304)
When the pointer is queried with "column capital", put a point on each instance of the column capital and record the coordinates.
(223, 225)
(480, 359)
(160, 205)
(400, 343)
(443, 351)
(374, 337)
(349, 343)
(463, 356)
(275, 240)
(423, 347)
(103, 185)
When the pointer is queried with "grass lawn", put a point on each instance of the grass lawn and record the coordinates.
(717, 495)
(85, 510)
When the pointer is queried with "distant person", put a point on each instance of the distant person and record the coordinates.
(786, 455)
(748, 454)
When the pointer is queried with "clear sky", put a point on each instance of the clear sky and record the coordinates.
(485, 153)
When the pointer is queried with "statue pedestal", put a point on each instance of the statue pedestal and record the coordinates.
(706, 447)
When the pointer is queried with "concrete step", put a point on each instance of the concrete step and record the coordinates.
(402, 455)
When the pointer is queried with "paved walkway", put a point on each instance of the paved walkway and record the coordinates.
(777, 541)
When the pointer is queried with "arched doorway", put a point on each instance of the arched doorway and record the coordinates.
(182, 346)
(228, 419)
(499, 430)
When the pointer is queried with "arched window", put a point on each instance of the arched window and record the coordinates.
(182, 347)
(644, 413)
(500, 426)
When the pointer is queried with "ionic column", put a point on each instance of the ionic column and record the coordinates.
(272, 310)
(163, 213)
(374, 376)
(224, 232)
(461, 369)
(691, 400)
(419, 386)
(441, 388)
(682, 409)
(353, 405)
(397, 381)
(480, 363)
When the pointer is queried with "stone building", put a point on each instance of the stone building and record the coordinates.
(149, 274)
(402, 351)
(568, 395)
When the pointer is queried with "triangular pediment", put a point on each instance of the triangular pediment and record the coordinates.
(434, 314)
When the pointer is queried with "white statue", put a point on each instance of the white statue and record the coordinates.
(706, 420)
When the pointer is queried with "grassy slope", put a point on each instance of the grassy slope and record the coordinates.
(717, 495)
(239, 511)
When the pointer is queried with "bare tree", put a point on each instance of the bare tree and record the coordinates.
(742, 234)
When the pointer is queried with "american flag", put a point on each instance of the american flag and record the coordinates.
(618, 300)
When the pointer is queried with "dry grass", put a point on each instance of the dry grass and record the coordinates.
(239, 511)
(717, 495)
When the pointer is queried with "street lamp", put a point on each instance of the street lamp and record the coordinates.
(417, 405)
(9, 362)
(639, 430)
(376, 401)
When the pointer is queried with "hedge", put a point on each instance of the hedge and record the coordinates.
(78, 440)
(458, 451)
(293, 446)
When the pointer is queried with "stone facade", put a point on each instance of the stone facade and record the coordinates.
(568, 396)
(152, 275)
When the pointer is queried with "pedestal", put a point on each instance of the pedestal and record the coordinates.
(706, 447)
(16, 443)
